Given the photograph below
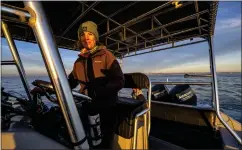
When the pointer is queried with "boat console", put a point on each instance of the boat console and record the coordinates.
(49, 121)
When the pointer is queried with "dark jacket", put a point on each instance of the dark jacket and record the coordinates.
(100, 77)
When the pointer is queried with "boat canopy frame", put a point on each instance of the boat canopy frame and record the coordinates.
(123, 30)
(22, 16)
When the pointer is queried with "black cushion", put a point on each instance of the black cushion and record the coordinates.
(129, 107)
(129, 102)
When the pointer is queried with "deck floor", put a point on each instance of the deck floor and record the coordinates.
(155, 144)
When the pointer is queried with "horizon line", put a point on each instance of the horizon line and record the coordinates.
(30, 75)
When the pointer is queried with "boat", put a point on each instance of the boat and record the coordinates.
(127, 29)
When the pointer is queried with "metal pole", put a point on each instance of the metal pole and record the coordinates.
(149, 112)
(146, 134)
(181, 83)
(167, 48)
(114, 21)
(204, 20)
(160, 24)
(180, 105)
(22, 14)
(198, 16)
(118, 11)
(130, 22)
(55, 68)
(77, 19)
(8, 62)
(169, 42)
(16, 58)
(121, 62)
(135, 133)
(215, 89)
(144, 112)
(187, 18)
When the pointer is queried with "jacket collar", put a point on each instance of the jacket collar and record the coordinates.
(99, 51)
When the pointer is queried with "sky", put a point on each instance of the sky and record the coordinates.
(193, 58)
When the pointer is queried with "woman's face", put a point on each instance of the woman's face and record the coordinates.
(88, 40)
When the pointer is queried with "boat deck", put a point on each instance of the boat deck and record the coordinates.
(155, 144)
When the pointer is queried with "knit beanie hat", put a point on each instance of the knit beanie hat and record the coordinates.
(88, 26)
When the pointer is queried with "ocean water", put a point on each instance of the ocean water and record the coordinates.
(229, 87)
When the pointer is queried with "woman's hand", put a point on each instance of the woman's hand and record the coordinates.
(137, 90)
(37, 90)
(136, 93)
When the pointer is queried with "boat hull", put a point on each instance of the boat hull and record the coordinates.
(192, 126)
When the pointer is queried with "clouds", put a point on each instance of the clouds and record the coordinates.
(154, 62)
(228, 24)
(181, 59)
(227, 45)
(32, 59)
(228, 17)
(230, 62)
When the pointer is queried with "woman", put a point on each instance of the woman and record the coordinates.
(100, 77)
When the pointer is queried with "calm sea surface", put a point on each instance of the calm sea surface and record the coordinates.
(229, 86)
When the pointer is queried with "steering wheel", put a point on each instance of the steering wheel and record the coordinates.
(48, 90)
(82, 104)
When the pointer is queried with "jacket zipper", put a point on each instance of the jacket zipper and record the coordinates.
(85, 72)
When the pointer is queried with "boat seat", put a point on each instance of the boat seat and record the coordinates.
(229, 142)
(128, 108)
(133, 80)
(136, 80)
(129, 103)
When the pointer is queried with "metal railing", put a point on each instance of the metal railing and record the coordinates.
(8, 62)
(180, 83)
(56, 71)
(147, 121)
(214, 85)
(17, 61)
(215, 90)
(37, 20)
